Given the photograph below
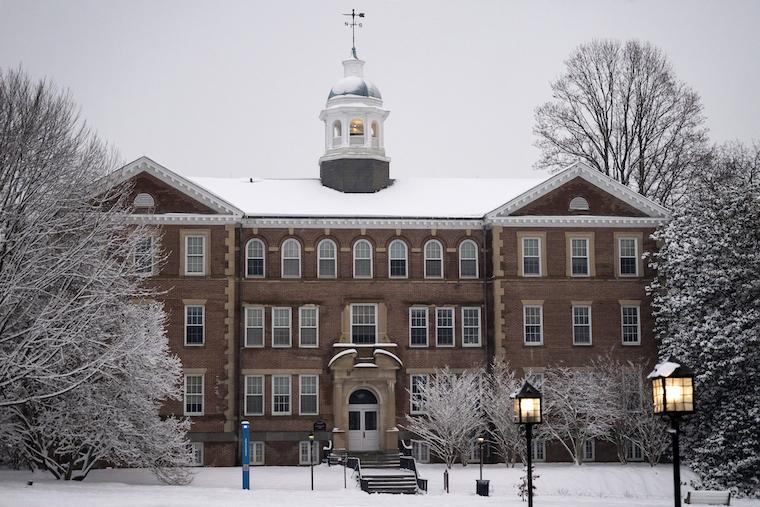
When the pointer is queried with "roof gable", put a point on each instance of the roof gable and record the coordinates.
(155, 171)
(626, 202)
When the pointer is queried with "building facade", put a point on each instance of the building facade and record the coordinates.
(295, 302)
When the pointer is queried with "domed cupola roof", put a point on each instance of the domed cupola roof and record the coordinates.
(353, 82)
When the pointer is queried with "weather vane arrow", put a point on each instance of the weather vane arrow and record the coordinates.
(353, 24)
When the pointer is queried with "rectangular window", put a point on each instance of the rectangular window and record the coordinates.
(444, 327)
(144, 256)
(533, 318)
(363, 323)
(589, 450)
(308, 323)
(474, 456)
(416, 400)
(194, 324)
(257, 453)
(421, 451)
(633, 451)
(531, 256)
(629, 259)
(193, 394)
(309, 394)
(631, 325)
(581, 325)
(195, 255)
(197, 450)
(304, 454)
(470, 327)
(418, 327)
(280, 394)
(254, 395)
(254, 327)
(281, 330)
(579, 256)
(538, 449)
(632, 387)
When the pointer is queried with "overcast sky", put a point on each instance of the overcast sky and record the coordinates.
(232, 88)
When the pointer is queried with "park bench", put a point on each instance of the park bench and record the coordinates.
(706, 497)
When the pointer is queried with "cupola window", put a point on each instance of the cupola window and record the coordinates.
(356, 131)
(375, 129)
(337, 133)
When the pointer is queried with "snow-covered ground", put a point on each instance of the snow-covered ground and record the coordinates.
(633, 485)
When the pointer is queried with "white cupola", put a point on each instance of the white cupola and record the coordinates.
(354, 121)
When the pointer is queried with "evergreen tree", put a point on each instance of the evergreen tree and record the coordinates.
(707, 305)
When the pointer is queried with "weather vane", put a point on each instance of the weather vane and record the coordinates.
(353, 24)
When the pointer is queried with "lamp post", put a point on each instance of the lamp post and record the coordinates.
(311, 458)
(481, 440)
(673, 396)
(528, 411)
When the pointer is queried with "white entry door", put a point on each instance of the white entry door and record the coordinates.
(362, 428)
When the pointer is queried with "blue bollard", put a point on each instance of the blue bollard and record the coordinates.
(244, 431)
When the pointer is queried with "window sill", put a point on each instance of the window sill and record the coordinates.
(307, 346)
(281, 414)
(439, 346)
(193, 345)
(533, 344)
(282, 346)
(629, 344)
(194, 274)
(582, 344)
(255, 277)
(253, 415)
(193, 414)
(472, 345)
(425, 346)
(539, 275)
(253, 346)
(290, 277)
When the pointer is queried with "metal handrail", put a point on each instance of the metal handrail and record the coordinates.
(408, 463)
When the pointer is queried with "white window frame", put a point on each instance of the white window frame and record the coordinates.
(589, 456)
(525, 325)
(587, 241)
(283, 258)
(425, 259)
(371, 259)
(315, 327)
(140, 258)
(391, 258)
(304, 445)
(289, 327)
(635, 256)
(623, 325)
(630, 453)
(351, 319)
(248, 393)
(289, 395)
(202, 326)
(198, 453)
(202, 394)
(540, 268)
(320, 258)
(538, 445)
(590, 326)
(477, 253)
(262, 311)
(202, 272)
(416, 399)
(480, 332)
(421, 451)
(263, 257)
(427, 326)
(453, 326)
(262, 446)
(301, 394)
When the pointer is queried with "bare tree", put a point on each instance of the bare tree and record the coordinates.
(499, 411)
(573, 412)
(452, 412)
(620, 108)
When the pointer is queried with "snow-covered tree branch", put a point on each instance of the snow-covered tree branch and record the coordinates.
(507, 436)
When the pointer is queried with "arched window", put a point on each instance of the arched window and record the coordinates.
(433, 259)
(468, 259)
(291, 259)
(326, 259)
(579, 204)
(144, 200)
(375, 129)
(397, 259)
(337, 129)
(357, 127)
(254, 258)
(362, 259)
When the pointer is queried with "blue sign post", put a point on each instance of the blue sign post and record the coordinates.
(245, 435)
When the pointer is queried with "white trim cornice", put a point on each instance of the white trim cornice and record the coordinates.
(366, 223)
(183, 218)
(576, 221)
(596, 178)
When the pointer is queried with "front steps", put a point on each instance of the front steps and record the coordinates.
(378, 459)
(382, 473)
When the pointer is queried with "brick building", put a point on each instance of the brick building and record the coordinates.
(297, 301)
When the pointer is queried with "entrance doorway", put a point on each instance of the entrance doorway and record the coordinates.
(362, 421)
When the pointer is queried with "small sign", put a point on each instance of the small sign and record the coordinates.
(320, 425)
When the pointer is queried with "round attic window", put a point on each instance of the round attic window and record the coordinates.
(579, 204)
(144, 201)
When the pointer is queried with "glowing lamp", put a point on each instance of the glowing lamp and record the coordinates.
(672, 388)
(527, 405)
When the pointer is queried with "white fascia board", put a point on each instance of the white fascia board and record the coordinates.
(596, 178)
(183, 218)
(366, 223)
(577, 221)
(174, 180)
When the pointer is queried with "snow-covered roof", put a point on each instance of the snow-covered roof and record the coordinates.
(406, 197)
